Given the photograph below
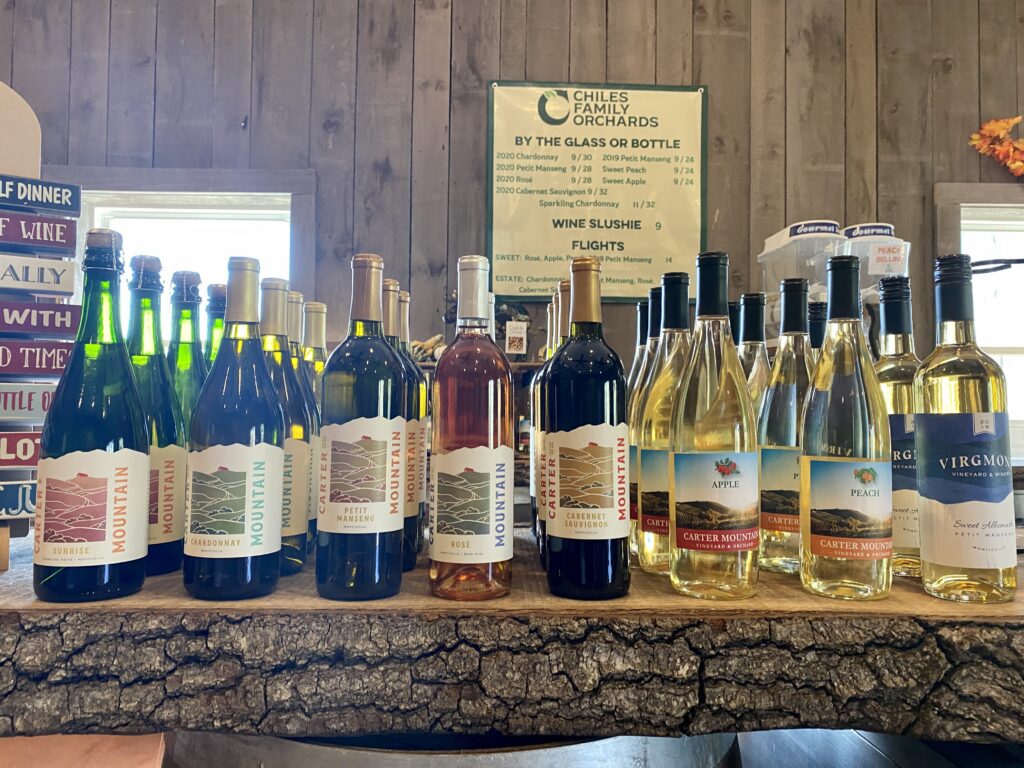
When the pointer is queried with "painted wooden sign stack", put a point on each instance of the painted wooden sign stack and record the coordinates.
(38, 231)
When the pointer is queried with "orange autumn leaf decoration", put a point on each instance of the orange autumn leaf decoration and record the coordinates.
(993, 140)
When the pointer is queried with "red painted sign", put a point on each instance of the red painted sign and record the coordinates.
(19, 449)
(37, 233)
(33, 358)
(40, 319)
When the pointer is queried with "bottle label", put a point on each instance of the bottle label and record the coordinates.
(295, 490)
(166, 494)
(655, 493)
(471, 508)
(233, 496)
(92, 508)
(364, 465)
(716, 501)
(905, 530)
(415, 472)
(542, 475)
(534, 463)
(314, 479)
(588, 474)
(850, 507)
(634, 485)
(422, 438)
(780, 488)
(965, 480)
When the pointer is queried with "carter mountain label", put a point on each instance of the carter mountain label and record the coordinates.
(634, 487)
(542, 474)
(415, 447)
(421, 460)
(166, 494)
(656, 485)
(906, 532)
(233, 501)
(92, 508)
(471, 520)
(314, 479)
(716, 501)
(363, 462)
(588, 475)
(851, 507)
(295, 488)
(965, 483)
(780, 488)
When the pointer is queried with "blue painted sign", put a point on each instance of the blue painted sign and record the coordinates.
(17, 499)
(21, 194)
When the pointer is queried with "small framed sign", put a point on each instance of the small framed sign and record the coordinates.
(37, 234)
(515, 337)
(17, 499)
(17, 192)
(19, 450)
(25, 403)
(59, 320)
(33, 358)
(35, 275)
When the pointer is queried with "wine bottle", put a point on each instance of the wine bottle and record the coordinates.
(298, 423)
(896, 368)
(492, 329)
(635, 410)
(216, 299)
(414, 403)
(962, 436)
(640, 352)
(185, 352)
(656, 424)
(752, 350)
(314, 345)
(472, 463)
(235, 477)
(778, 435)
(163, 418)
(307, 321)
(845, 463)
(817, 315)
(735, 321)
(536, 434)
(360, 522)
(561, 310)
(713, 523)
(587, 453)
(421, 426)
(94, 449)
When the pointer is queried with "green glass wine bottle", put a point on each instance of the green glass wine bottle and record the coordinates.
(216, 295)
(297, 424)
(94, 453)
(296, 332)
(163, 417)
(236, 460)
(185, 353)
(359, 520)
(418, 428)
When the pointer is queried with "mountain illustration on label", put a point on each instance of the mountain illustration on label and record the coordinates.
(359, 471)
(726, 467)
(464, 503)
(865, 475)
(849, 524)
(714, 516)
(218, 503)
(585, 477)
(154, 496)
(75, 510)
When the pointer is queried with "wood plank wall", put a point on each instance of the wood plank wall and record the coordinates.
(819, 108)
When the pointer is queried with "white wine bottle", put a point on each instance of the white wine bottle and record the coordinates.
(753, 351)
(640, 353)
(635, 410)
(896, 368)
(656, 424)
(845, 469)
(962, 435)
(536, 434)
(778, 435)
(714, 530)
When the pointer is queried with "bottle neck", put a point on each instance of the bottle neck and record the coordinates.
(796, 340)
(586, 329)
(896, 344)
(479, 326)
(240, 330)
(275, 342)
(952, 333)
(183, 322)
(954, 313)
(752, 322)
(144, 336)
(101, 308)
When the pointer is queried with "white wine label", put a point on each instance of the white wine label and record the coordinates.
(410, 493)
(166, 494)
(849, 507)
(780, 488)
(295, 488)
(716, 501)
(542, 475)
(588, 476)
(314, 479)
(422, 439)
(471, 506)
(233, 496)
(634, 486)
(363, 462)
(906, 532)
(655, 490)
(534, 462)
(92, 508)
(964, 477)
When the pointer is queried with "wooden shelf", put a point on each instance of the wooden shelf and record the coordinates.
(651, 663)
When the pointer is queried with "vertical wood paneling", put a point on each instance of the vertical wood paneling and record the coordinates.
(513, 39)
(631, 42)
(588, 41)
(183, 121)
(90, 46)
(767, 128)
(282, 49)
(547, 40)
(954, 89)
(861, 112)
(384, 132)
(815, 104)
(41, 68)
(131, 82)
(674, 41)
(6, 40)
(721, 56)
(429, 233)
(331, 154)
(1018, 30)
(232, 82)
(997, 65)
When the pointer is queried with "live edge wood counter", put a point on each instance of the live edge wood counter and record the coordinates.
(652, 663)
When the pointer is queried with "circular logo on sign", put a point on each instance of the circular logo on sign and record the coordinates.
(553, 107)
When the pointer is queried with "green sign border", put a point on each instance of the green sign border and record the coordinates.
(492, 84)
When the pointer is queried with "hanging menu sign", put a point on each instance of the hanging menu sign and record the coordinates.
(612, 171)
(40, 195)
